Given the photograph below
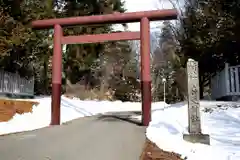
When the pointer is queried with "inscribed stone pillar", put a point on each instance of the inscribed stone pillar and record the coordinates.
(194, 119)
(193, 97)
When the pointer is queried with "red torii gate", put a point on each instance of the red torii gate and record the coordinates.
(144, 36)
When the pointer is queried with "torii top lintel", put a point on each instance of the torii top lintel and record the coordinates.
(128, 17)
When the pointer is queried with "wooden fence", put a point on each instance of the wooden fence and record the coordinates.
(226, 82)
(14, 85)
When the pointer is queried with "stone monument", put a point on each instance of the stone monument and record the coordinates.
(194, 121)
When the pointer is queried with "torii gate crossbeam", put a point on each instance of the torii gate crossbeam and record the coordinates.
(144, 36)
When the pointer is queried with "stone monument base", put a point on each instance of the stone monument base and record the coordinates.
(197, 138)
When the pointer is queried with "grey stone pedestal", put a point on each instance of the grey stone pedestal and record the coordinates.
(197, 138)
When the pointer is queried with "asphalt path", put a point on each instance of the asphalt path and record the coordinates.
(114, 136)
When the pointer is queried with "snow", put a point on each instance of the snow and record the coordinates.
(221, 123)
(70, 109)
(143, 5)
(221, 120)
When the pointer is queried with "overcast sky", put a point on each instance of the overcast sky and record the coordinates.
(144, 5)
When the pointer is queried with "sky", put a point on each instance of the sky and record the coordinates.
(144, 5)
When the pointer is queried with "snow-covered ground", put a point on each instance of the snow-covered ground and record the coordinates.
(169, 122)
(70, 109)
(221, 122)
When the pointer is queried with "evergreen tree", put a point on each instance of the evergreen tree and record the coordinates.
(165, 65)
(28, 52)
(208, 34)
(82, 56)
(207, 31)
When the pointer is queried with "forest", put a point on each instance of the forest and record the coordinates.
(206, 31)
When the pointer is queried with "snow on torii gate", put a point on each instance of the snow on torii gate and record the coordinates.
(144, 36)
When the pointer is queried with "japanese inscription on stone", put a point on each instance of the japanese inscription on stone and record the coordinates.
(194, 123)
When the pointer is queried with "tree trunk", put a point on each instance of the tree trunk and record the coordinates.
(201, 89)
(106, 70)
(201, 86)
(45, 68)
(181, 80)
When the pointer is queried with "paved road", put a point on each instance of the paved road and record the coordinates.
(92, 138)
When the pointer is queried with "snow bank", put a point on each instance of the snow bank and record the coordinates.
(70, 109)
(168, 126)
(169, 123)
